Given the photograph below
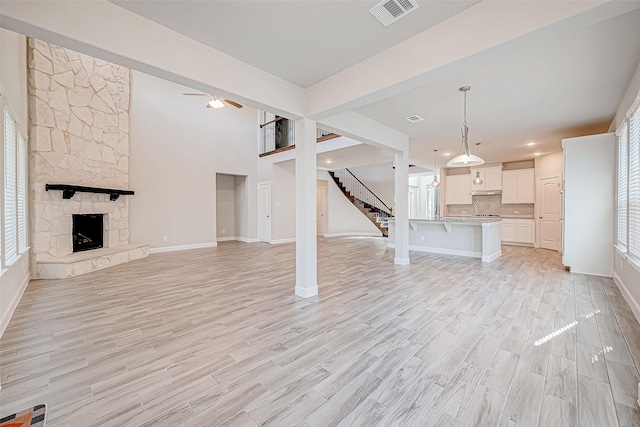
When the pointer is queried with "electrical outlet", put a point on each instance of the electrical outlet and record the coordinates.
(346, 227)
(464, 211)
(164, 238)
(224, 231)
(422, 238)
(291, 231)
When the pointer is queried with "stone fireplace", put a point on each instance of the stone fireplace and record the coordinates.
(78, 135)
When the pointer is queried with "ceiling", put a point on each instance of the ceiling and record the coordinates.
(541, 92)
(538, 88)
(302, 42)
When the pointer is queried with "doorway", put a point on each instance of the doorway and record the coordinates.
(550, 212)
(232, 208)
(264, 211)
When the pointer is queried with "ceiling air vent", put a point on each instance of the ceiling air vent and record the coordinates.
(390, 11)
(415, 118)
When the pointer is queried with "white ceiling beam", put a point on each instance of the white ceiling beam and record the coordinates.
(106, 31)
(363, 129)
(451, 46)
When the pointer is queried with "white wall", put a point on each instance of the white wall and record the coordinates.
(225, 206)
(343, 218)
(13, 78)
(550, 164)
(283, 201)
(242, 208)
(627, 275)
(177, 147)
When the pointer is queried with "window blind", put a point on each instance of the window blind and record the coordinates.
(634, 183)
(623, 158)
(10, 213)
(22, 194)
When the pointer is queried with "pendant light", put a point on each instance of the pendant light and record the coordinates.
(435, 182)
(465, 159)
(477, 180)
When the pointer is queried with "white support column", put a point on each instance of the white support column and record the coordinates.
(306, 239)
(401, 209)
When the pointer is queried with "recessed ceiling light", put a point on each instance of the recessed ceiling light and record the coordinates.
(415, 118)
(327, 161)
(447, 154)
(531, 143)
(536, 154)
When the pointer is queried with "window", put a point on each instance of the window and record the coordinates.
(22, 194)
(623, 158)
(634, 182)
(10, 212)
(15, 191)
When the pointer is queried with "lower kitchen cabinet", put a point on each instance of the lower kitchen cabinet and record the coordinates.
(518, 231)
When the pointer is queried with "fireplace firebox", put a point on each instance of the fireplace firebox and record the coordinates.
(87, 232)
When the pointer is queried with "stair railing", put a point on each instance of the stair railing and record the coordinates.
(361, 192)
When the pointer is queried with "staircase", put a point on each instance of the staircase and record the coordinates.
(363, 199)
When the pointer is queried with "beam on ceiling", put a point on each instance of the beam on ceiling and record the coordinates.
(107, 31)
(488, 27)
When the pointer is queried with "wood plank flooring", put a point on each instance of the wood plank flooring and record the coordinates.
(216, 337)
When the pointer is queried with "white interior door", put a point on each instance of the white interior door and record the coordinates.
(550, 212)
(320, 210)
(264, 207)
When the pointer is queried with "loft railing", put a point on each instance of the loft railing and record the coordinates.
(357, 189)
(279, 135)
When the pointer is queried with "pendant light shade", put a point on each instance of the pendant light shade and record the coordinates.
(478, 180)
(435, 182)
(465, 159)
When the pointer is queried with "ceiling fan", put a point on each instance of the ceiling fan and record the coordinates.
(215, 102)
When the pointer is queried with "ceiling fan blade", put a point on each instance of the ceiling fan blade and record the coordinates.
(197, 94)
(230, 102)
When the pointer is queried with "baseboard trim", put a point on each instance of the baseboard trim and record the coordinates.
(442, 251)
(635, 307)
(226, 239)
(306, 292)
(279, 241)
(493, 256)
(246, 240)
(14, 304)
(362, 234)
(183, 247)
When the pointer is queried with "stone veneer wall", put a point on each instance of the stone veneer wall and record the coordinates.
(79, 134)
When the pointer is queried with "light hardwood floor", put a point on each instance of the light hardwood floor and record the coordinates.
(216, 336)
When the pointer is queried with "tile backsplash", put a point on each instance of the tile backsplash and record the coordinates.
(492, 205)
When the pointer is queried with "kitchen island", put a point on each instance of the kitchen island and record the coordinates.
(470, 237)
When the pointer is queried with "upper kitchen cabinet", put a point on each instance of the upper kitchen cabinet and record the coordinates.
(491, 178)
(458, 189)
(518, 186)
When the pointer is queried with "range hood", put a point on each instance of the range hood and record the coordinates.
(485, 192)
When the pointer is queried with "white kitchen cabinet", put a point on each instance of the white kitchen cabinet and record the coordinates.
(458, 189)
(518, 230)
(491, 177)
(508, 230)
(518, 186)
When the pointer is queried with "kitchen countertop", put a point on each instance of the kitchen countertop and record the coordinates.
(462, 220)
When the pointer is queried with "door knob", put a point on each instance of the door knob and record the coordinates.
(540, 217)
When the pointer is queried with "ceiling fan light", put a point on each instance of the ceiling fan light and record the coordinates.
(215, 103)
(465, 160)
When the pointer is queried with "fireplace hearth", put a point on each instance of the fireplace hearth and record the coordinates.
(87, 232)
